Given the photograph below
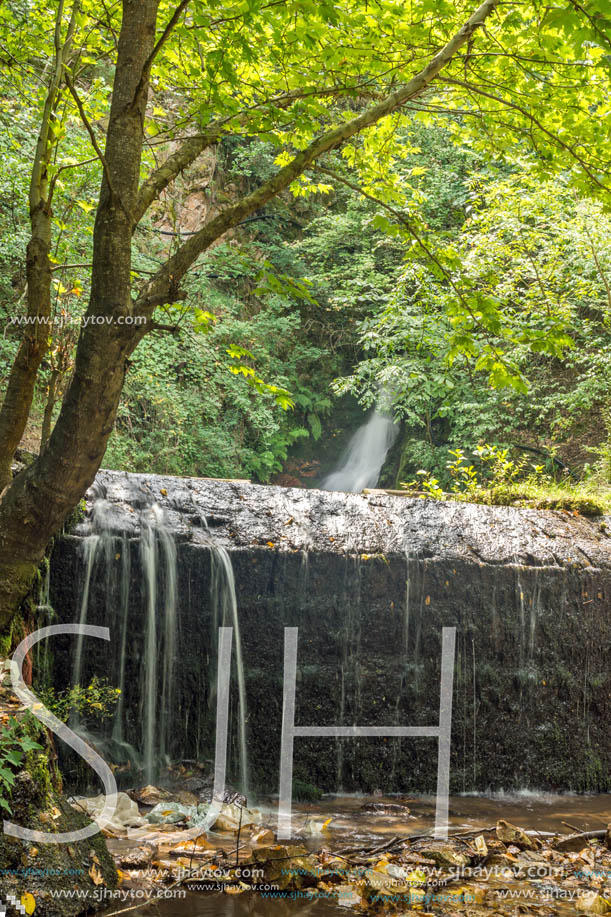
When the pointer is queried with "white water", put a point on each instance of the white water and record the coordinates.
(100, 542)
(117, 732)
(156, 705)
(362, 462)
(225, 612)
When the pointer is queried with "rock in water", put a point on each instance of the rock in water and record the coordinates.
(150, 795)
(384, 808)
(138, 857)
(510, 834)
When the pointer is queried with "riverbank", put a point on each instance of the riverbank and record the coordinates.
(376, 855)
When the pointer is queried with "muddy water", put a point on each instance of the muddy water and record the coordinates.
(349, 825)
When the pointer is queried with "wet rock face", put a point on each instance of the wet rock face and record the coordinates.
(243, 515)
(370, 581)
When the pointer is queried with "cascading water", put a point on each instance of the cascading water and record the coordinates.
(362, 462)
(516, 584)
(225, 612)
(99, 544)
(156, 706)
(107, 559)
(117, 732)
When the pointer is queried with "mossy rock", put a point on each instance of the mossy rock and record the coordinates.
(44, 871)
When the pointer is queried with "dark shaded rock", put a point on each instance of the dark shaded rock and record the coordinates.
(199, 786)
(43, 869)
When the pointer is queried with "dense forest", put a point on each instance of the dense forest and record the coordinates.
(323, 295)
(358, 251)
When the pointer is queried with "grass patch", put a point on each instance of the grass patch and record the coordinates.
(578, 498)
(497, 480)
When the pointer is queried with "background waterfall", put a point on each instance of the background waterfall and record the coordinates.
(362, 462)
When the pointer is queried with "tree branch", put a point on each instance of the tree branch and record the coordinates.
(533, 120)
(164, 285)
(191, 147)
(146, 70)
(91, 133)
(158, 180)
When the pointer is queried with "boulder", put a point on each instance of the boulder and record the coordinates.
(510, 834)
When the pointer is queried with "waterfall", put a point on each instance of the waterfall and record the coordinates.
(148, 553)
(158, 562)
(156, 704)
(225, 612)
(117, 731)
(99, 543)
(45, 615)
(362, 462)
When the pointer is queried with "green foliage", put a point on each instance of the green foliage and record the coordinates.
(493, 477)
(502, 288)
(15, 743)
(92, 703)
(513, 345)
(201, 404)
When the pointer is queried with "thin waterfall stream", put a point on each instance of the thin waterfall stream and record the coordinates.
(362, 462)
(225, 612)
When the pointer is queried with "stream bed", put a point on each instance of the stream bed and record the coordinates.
(347, 824)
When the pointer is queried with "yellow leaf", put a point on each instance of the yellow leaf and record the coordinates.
(95, 875)
(28, 901)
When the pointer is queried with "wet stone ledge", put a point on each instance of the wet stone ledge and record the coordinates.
(370, 581)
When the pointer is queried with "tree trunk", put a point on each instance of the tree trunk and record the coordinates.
(17, 402)
(35, 506)
(52, 398)
(33, 346)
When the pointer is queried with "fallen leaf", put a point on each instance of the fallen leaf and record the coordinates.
(95, 875)
(28, 901)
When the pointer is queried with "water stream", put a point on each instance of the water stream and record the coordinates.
(350, 824)
(362, 462)
(225, 613)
